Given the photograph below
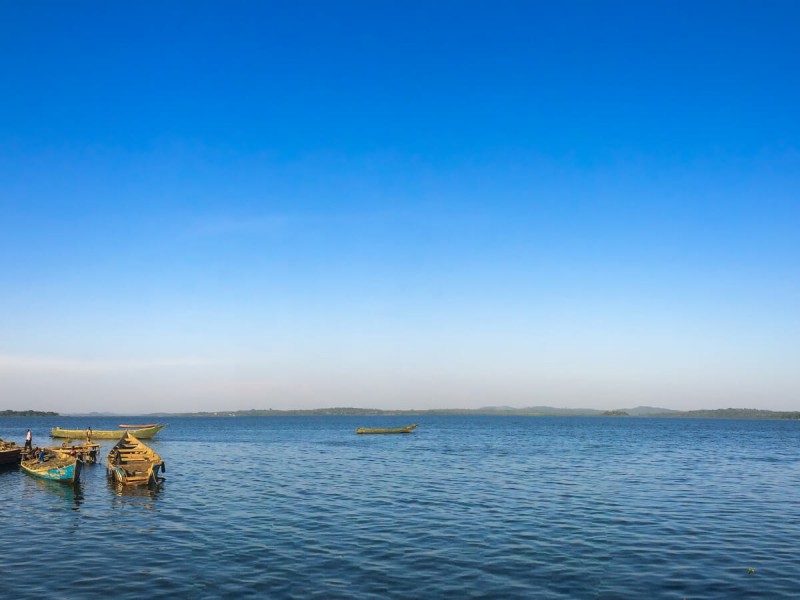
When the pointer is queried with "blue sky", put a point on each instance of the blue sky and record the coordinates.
(211, 206)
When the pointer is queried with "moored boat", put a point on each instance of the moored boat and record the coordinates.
(131, 462)
(406, 429)
(108, 434)
(86, 451)
(147, 426)
(53, 466)
(9, 453)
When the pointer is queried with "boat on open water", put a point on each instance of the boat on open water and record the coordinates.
(107, 434)
(53, 465)
(131, 462)
(406, 429)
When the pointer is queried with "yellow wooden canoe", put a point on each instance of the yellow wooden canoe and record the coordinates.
(87, 451)
(131, 462)
(109, 434)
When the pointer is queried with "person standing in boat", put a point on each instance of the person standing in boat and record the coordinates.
(28, 440)
(89, 433)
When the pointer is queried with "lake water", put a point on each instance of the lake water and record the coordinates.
(466, 507)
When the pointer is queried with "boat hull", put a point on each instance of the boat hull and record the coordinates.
(119, 474)
(66, 474)
(112, 434)
(130, 462)
(10, 457)
(372, 430)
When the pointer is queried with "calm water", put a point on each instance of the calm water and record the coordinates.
(484, 507)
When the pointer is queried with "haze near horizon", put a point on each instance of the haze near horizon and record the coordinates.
(410, 205)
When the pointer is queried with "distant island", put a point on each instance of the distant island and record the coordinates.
(27, 413)
(533, 411)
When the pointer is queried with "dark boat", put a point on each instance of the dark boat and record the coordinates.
(406, 429)
(9, 453)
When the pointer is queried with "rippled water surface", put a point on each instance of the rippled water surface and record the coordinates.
(489, 507)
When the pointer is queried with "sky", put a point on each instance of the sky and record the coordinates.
(231, 205)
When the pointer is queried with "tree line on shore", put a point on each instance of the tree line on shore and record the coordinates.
(27, 413)
(539, 411)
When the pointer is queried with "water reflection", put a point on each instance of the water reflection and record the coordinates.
(72, 494)
(141, 491)
(77, 494)
(143, 496)
(8, 469)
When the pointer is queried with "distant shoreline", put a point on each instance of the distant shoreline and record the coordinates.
(723, 413)
(27, 413)
(538, 411)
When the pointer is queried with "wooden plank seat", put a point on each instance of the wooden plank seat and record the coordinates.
(131, 462)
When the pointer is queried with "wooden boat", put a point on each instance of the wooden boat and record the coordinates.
(87, 451)
(406, 429)
(9, 453)
(56, 466)
(131, 462)
(110, 434)
(148, 426)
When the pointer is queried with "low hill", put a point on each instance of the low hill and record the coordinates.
(731, 413)
(646, 411)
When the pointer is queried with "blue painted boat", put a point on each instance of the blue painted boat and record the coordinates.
(57, 466)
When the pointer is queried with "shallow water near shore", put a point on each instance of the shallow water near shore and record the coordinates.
(467, 506)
